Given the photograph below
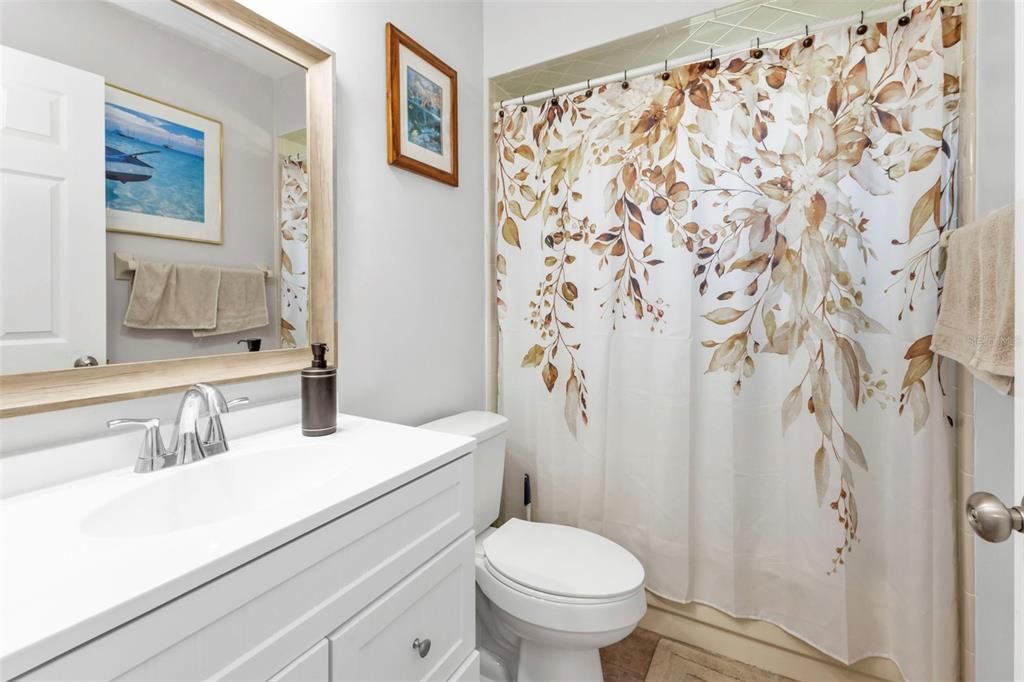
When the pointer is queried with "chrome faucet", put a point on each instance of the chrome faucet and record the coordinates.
(215, 442)
(186, 445)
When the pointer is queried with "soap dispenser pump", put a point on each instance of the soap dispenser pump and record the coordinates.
(319, 395)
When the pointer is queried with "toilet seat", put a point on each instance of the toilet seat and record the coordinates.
(618, 607)
(561, 563)
(519, 588)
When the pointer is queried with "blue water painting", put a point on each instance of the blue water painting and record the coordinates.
(424, 99)
(153, 166)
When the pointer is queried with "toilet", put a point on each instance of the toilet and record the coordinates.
(548, 596)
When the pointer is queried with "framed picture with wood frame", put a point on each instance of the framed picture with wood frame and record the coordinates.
(423, 112)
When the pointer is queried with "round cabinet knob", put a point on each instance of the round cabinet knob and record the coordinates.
(992, 520)
(422, 646)
(86, 361)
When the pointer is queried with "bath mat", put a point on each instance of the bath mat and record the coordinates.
(677, 662)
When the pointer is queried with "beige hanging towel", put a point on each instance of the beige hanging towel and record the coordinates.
(242, 303)
(167, 296)
(975, 324)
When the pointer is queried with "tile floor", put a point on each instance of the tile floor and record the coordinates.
(646, 656)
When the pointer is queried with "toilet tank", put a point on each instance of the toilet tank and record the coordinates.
(489, 429)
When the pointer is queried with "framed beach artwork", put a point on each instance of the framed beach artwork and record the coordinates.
(163, 169)
(423, 122)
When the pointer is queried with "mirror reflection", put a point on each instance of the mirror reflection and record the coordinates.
(154, 187)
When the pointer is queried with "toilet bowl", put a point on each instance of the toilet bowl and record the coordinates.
(548, 596)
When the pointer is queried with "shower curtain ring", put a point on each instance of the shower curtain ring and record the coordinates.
(712, 63)
(862, 28)
(554, 98)
(904, 20)
(664, 74)
(808, 40)
(590, 91)
(524, 108)
(757, 52)
(625, 79)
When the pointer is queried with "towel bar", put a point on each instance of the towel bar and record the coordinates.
(124, 266)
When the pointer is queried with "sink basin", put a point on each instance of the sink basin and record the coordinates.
(214, 490)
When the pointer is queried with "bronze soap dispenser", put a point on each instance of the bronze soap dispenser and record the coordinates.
(319, 395)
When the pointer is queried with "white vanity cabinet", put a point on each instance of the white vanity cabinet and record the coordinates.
(343, 601)
(312, 666)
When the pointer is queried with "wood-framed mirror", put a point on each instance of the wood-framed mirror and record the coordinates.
(184, 178)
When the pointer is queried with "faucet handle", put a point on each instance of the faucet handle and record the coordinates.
(151, 423)
(152, 450)
(238, 401)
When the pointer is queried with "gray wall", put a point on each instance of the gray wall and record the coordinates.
(993, 440)
(138, 55)
(410, 261)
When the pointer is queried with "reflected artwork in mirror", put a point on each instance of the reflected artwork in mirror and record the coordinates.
(183, 151)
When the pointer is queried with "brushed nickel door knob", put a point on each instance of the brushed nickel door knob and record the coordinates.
(992, 520)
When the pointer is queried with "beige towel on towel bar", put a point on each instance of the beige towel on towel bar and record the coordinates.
(975, 324)
(242, 303)
(167, 296)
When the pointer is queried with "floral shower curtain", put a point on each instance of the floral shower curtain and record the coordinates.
(716, 289)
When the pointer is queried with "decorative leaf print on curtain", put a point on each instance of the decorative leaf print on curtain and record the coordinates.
(758, 170)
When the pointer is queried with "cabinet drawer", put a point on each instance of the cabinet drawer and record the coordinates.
(435, 603)
(312, 666)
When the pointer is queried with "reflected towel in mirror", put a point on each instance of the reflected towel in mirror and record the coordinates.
(241, 304)
(168, 296)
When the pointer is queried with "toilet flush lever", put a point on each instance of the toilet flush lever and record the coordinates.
(422, 646)
(992, 520)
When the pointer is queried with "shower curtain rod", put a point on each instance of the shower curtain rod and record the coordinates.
(901, 8)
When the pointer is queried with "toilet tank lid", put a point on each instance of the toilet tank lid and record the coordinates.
(477, 423)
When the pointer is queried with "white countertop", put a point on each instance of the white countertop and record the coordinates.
(81, 558)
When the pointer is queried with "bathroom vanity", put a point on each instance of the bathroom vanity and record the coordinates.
(347, 557)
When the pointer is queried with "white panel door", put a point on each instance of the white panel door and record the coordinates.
(998, 575)
(1018, 446)
(52, 214)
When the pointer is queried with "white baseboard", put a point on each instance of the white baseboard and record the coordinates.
(757, 643)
